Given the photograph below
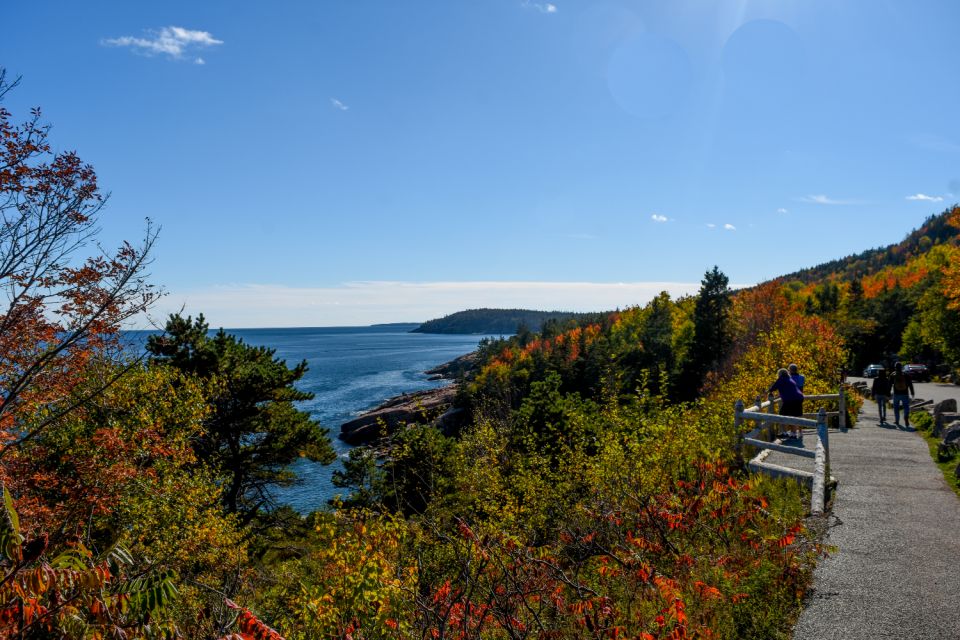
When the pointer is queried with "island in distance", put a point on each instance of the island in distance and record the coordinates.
(496, 321)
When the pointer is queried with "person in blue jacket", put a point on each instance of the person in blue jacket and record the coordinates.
(791, 398)
(796, 376)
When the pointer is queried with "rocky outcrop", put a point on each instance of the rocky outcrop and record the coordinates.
(950, 444)
(422, 407)
(943, 412)
(453, 369)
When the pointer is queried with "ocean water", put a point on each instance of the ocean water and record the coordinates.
(352, 369)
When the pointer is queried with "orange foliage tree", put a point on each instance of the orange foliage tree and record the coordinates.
(951, 273)
(59, 313)
(60, 320)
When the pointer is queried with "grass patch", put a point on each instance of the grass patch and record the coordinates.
(923, 422)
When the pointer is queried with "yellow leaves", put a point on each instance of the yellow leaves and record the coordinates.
(353, 576)
(951, 276)
(809, 342)
(954, 218)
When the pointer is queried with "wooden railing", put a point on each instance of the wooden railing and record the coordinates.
(769, 422)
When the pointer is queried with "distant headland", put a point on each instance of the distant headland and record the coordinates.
(496, 321)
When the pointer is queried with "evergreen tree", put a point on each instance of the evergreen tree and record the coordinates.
(711, 333)
(254, 431)
(657, 338)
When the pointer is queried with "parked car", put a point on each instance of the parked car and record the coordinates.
(873, 371)
(918, 372)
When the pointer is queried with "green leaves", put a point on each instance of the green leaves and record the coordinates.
(10, 537)
(151, 593)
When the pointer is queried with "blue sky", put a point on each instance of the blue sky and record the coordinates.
(335, 162)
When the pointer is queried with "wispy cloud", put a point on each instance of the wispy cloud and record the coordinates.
(176, 43)
(361, 303)
(338, 104)
(924, 197)
(822, 199)
(542, 7)
(710, 225)
(782, 210)
(658, 218)
(729, 227)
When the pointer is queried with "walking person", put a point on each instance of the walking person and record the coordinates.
(791, 399)
(881, 392)
(902, 392)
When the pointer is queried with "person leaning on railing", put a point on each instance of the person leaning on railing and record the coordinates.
(791, 399)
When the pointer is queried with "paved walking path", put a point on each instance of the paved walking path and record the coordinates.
(896, 527)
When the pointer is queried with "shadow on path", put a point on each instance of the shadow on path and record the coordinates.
(893, 426)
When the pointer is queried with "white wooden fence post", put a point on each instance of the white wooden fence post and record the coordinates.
(761, 424)
(823, 433)
(737, 423)
(771, 408)
(843, 409)
(821, 472)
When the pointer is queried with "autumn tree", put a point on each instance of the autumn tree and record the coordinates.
(64, 300)
(254, 431)
(59, 312)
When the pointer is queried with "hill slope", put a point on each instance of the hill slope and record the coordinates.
(935, 230)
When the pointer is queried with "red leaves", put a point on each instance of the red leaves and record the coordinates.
(251, 628)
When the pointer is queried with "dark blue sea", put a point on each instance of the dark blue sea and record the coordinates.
(352, 369)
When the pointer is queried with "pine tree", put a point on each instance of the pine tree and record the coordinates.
(254, 431)
(712, 334)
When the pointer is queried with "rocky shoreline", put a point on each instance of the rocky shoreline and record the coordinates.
(433, 406)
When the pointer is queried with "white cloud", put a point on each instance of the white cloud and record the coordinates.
(925, 197)
(658, 218)
(173, 42)
(363, 303)
(782, 210)
(822, 199)
(710, 225)
(542, 7)
(729, 227)
(339, 105)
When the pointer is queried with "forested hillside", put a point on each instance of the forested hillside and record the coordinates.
(891, 303)
(496, 321)
(935, 230)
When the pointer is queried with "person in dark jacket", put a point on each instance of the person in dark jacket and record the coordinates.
(796, 376)
(881, 393)
(800, 379)
(902, 392)
(791, 398)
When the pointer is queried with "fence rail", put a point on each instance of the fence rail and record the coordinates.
(768, 421)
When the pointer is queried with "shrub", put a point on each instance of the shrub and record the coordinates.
(922, 420)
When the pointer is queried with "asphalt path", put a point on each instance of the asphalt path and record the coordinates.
(895, 526)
